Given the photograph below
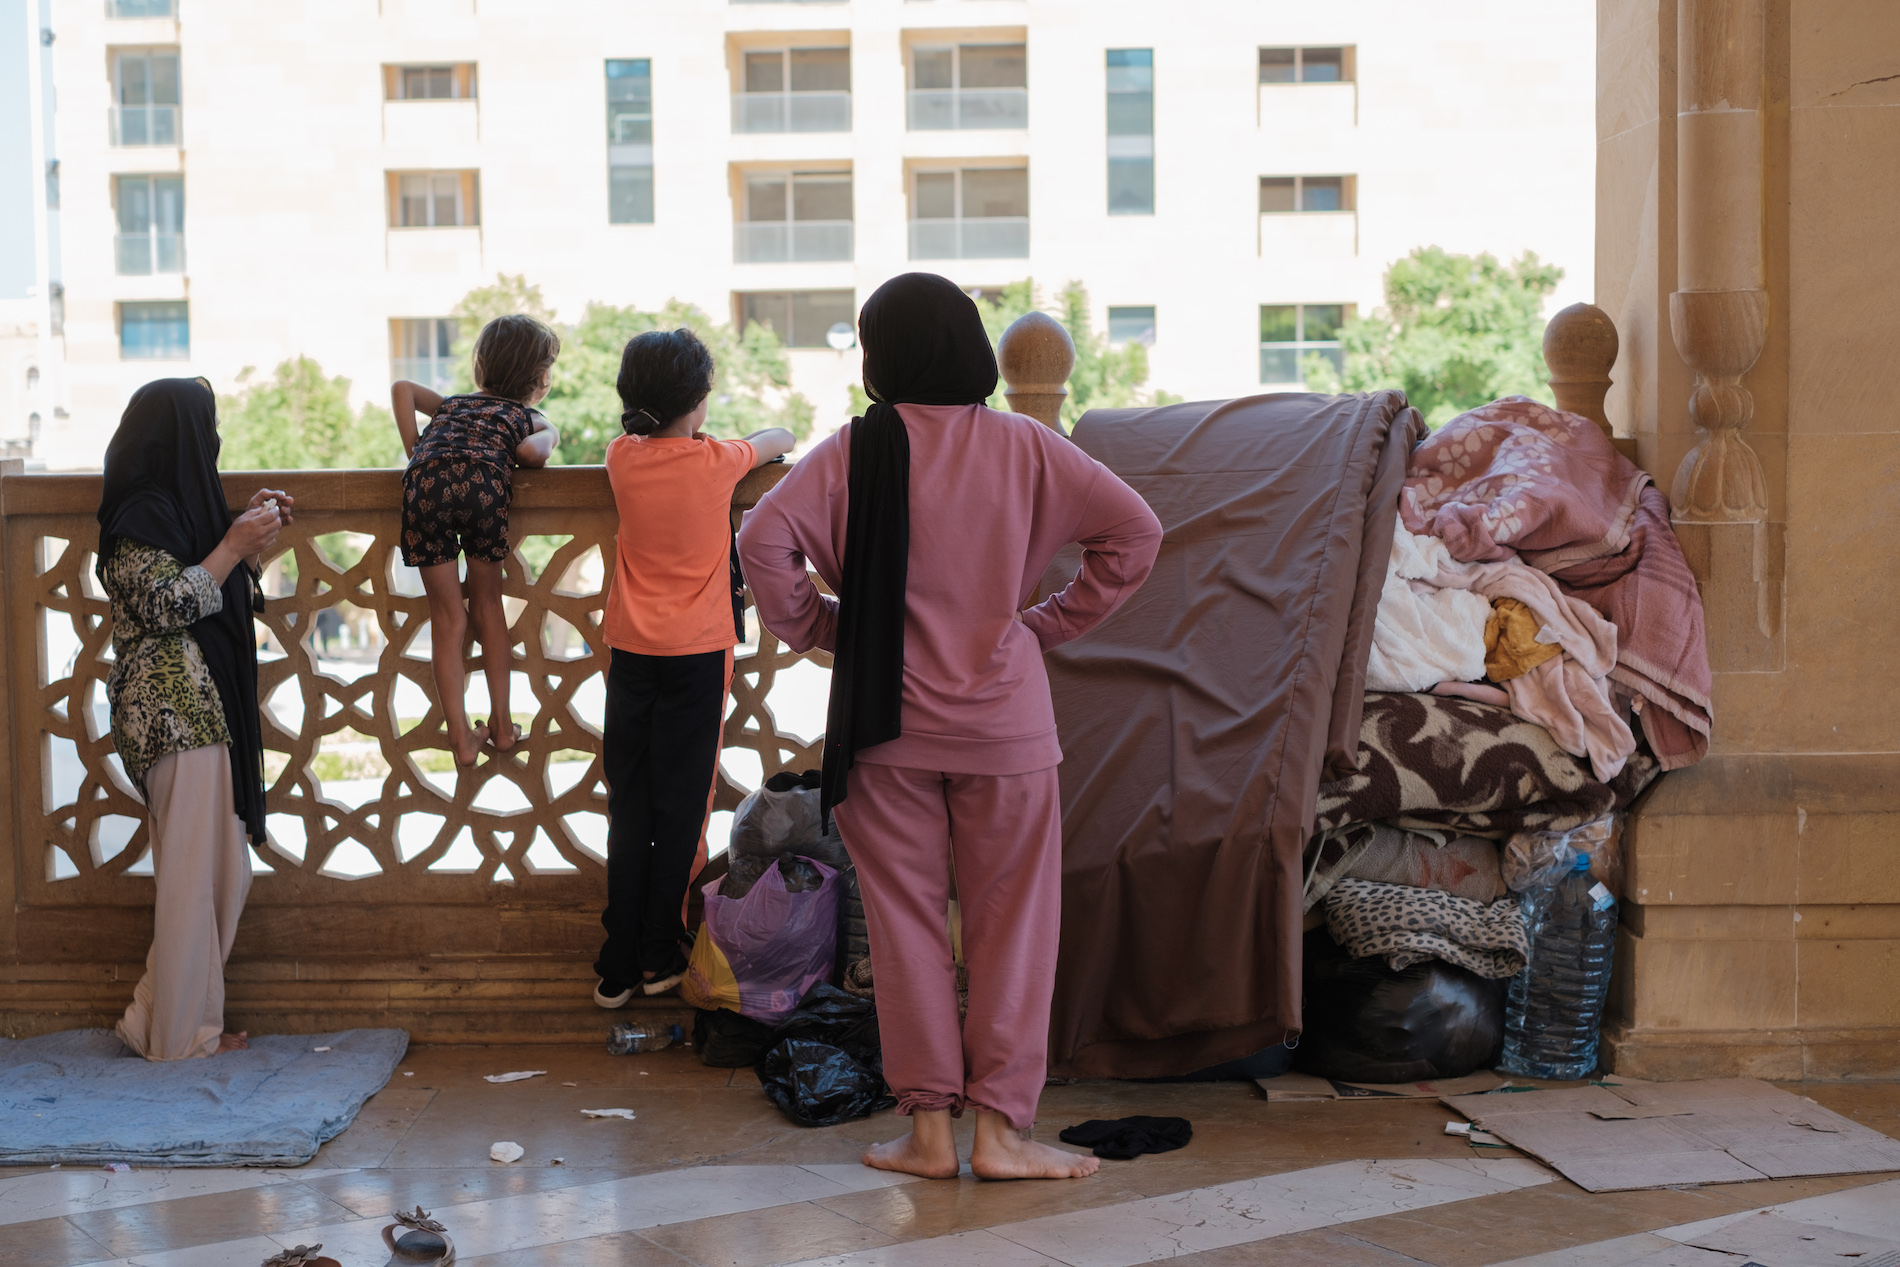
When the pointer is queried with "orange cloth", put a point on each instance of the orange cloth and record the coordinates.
(672, 592)
(1511, 648)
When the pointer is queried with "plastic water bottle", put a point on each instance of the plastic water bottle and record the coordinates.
(639, 1036)
(1556, 1003)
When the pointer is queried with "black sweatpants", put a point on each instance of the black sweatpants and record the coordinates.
(661, 744)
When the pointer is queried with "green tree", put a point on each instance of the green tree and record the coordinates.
(300, 418)
(1105, 376)
(1456, 331)
(751, 386)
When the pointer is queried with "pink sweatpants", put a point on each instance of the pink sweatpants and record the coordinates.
(902, 827)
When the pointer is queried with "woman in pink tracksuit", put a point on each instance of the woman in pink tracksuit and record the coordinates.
(933, 518)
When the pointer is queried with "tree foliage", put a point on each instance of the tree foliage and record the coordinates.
(300, 418)
(1456, 331)
(751, 388)
(1105, 376)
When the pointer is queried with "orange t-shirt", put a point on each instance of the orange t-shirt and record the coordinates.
(672, 590)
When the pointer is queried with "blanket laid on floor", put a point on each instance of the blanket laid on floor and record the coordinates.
(83, 1096)
(1198, 721)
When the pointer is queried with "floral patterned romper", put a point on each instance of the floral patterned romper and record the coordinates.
(456, 491)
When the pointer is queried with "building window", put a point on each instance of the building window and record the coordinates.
(1131, 132)
(421, 350)
(794, 217)
(145, 97)
(800, 318)
(1330, 65)
(52, 184)
(139, 8)
(1306, 193)
(969, 86)
(1132, 325)
(451, 82)
(630, 141)
(154, 332)
(978, 213)
(1291, 332)
(794, 90)
(434, 200)
(151, 235)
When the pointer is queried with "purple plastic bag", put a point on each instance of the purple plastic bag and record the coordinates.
(776, 944)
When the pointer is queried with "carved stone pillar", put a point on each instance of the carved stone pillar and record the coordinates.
(1719, 312)
(1035, 356)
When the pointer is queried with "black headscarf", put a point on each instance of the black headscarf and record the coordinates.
(924, 344)
(162, 489)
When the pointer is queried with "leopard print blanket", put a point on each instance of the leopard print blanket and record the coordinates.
(1407, 925)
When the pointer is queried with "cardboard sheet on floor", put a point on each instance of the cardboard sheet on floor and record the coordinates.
(1304, 1088)
(1785, 1242)
(1729, 1130)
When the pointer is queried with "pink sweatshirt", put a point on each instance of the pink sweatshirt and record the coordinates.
(993, 497)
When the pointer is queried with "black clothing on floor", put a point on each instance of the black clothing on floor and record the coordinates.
(161, 489)
(660, 748)
(1120, 1138)
(924, 344)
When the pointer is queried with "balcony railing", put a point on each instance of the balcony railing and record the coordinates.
(995, 238)
(145, 125)
(791, 241)
(791, 111)
(437, 372)
(948, 109)
(139, 8)
(140, 254)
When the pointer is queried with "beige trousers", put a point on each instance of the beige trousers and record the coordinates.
(203, 866)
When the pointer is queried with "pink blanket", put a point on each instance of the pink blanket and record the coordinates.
(1515, 475)
(1662, 657)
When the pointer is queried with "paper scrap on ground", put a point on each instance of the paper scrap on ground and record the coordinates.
(505, 1150)
(626, 1113)
(518, 1075)
(570, 1084)
(319, 1049)
(1299, 1088)
(1722, 1130)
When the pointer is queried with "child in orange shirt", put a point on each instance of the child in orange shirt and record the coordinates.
(455, 497)
(671, 623)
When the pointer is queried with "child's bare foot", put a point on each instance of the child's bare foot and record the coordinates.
(929, 1151)
(234, 1042)
(467, 744)
(1004, 1153)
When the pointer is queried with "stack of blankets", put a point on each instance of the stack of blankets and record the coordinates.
(1537, 659)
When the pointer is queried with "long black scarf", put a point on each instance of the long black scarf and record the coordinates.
(924, 344)
(162, 489)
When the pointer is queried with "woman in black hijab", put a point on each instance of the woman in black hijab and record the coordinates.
(933, 518)
(180, 572)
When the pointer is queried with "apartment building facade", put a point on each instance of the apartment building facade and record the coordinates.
(1229, 178)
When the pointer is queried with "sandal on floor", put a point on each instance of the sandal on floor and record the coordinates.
(426, 1241)
(301, 1256)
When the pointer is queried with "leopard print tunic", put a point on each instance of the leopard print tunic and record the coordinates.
(163, 699)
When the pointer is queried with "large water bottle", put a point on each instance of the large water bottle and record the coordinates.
(1556, 1003)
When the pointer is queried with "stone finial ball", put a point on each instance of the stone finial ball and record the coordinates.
(1580, 343)
(1035, 354)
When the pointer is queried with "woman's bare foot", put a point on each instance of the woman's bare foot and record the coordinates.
(929, 1151)
(467, 745)
(1001, 1152)
(234, 1042)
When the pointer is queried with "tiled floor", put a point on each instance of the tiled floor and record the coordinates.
(709, 1173)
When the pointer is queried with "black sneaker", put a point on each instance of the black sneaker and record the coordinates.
(612, 994)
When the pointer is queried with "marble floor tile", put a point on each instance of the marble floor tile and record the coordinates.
(615, 1249)
(940, 1208)
(1323, 1247)
(858, 1177)
(75, 1190)
(1871, 1209)
(761, 1238)
(1618, 1252)
(966, 1249)
(379, 1126)
(1253, 1210)
(47, 1243)
(248, 1252)
(201, 1220)
(372, 1194)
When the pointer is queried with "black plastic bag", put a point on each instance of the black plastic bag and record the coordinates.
(1368, 1023)
(725, 1039)
(826, 1065)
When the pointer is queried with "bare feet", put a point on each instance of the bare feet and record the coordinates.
(1002, 1152)
(467, 745)
(234, 1042)
(929, 1151)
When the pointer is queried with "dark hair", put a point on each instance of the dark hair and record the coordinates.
(511, 354)
(664, 374)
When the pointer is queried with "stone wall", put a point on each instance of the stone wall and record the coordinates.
(1749, 145)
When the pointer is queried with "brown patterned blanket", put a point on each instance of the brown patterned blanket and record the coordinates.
(1429, 762)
